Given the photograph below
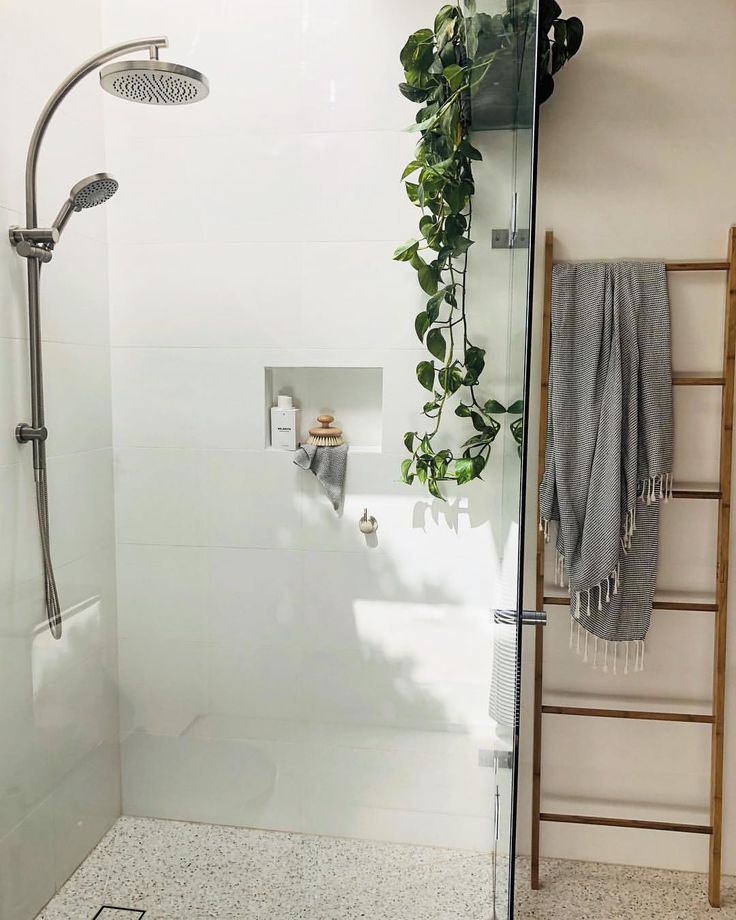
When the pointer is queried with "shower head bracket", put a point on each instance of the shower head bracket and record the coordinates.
(35, 242)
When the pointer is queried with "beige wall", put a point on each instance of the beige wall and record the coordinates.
(637, 157)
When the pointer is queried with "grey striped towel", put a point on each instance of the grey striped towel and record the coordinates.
(329, 465)
(609, 446)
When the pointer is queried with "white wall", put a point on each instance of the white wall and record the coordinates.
(636, 159)
(59, 769)
(277, 669)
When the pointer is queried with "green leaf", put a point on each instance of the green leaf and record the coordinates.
(455, 198)
(464, 411)
(412, 190)
(516, 408)
(444, 23)
(575, 33)
(425, 374)
(405, 467)
(435, 302)
(409, 439)
(413, 93)
(559, 57)
(469, 151)
(421, 324)
(407, 251)
(451, 378)
(559, 28)
(462, 245)
(479, 464)
(464, 470)
(475, 361)
(479, 423)
(426, 445)
(429, 278)
(494, 406)
(422, 471)
(426, 225)
(436, 344)
(470, 6)
(412, 167)
(455, 76)
(418, 52)
(477, 439)
(434, 489)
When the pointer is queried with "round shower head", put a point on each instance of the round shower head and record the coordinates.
(92, 191)
(154, 82)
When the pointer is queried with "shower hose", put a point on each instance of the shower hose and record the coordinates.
(53, 608)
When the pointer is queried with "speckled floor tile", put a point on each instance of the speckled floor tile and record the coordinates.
(181, 871)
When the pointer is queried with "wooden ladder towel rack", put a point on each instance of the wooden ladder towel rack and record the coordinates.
(721, 494)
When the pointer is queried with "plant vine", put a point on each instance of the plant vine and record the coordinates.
(442, 66)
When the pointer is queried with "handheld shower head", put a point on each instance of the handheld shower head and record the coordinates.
(88, 193)
(154, 82)
(93, 190)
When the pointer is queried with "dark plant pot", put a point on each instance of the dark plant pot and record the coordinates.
(505, 99)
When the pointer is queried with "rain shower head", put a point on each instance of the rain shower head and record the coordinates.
(154, 82)
(87, 193)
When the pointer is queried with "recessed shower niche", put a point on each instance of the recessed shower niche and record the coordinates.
(353, 395)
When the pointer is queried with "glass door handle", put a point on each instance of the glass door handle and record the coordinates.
(528, 617)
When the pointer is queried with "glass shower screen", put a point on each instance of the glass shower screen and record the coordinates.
(505, 126)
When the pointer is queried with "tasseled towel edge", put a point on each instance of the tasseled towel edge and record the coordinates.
(649, 491)
(635, 648)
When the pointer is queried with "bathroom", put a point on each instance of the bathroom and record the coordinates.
(252, 704)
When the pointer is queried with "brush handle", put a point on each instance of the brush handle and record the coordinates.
(325, 431)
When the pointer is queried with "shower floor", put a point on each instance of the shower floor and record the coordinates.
(164, 870)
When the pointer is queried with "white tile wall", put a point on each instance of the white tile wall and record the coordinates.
(256, 231)
(59, 770)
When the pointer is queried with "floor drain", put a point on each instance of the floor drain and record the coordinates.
(119, 913)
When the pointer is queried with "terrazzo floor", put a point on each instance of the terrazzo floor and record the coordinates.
(179, 871)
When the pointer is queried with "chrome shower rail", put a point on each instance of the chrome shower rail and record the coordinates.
(36, 245)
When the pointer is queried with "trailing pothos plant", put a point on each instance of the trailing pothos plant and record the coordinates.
(442, 66)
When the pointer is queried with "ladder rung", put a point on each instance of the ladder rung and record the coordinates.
(628, 714)
(697, 380)
(561, 600)
(693, 265)
(697, 493)
(627, 822)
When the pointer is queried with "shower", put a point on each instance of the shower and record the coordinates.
(148, 81)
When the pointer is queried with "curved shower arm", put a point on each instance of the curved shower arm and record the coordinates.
(109, 54)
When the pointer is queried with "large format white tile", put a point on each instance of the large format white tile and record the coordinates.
(251, 783)
(334, 199)
(162, 685)
(194, 294)
(257, 681)
(14, 318)
(158, 496)
(353, 86)
(254, 597)
(251, 498)
(210, 38)
(86, 804)
(77, 387)
(81, 510)
(75, 290)
(189, 397)
(162, 592)
(255, 182)
(27, 865)
(16, 405)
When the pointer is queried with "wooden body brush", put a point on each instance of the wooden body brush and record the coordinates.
(325, 435)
